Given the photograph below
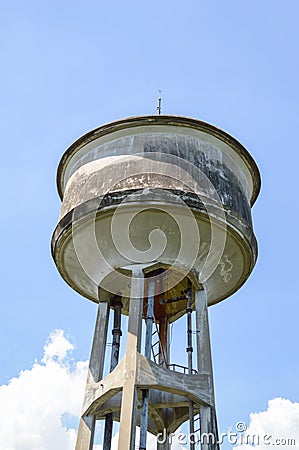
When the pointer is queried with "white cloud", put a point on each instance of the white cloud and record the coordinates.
(33, 404)
(274, 427)
(57, 347)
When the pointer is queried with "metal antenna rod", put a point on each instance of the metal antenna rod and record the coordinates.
(159, 107)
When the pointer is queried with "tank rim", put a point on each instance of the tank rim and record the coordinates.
(174, 120)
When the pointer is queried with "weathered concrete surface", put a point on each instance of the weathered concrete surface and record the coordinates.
(97, 178)
(97, 144)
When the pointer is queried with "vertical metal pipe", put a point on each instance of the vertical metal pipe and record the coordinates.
(108, 432)
(189, 350)
(143, 420)
(147, 354)
(116, 333)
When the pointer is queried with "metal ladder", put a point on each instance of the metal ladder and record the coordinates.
(156, 353)
(197, 429)
(196, 423)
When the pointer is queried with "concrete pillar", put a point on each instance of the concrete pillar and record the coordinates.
(129, 393)
(204, 356)
(86, 429)
(208, 423)
(147, 354)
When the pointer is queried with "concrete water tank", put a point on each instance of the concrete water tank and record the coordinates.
(169, 192)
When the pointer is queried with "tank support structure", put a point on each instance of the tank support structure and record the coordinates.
(145, 384)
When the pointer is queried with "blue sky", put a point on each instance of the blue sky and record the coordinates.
(68, 67)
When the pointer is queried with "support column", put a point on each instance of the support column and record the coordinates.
(147, 354)
(208, 421)
(116, 333)
(129, 393)
(86, 429)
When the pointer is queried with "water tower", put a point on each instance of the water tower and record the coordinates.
(155, 224)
